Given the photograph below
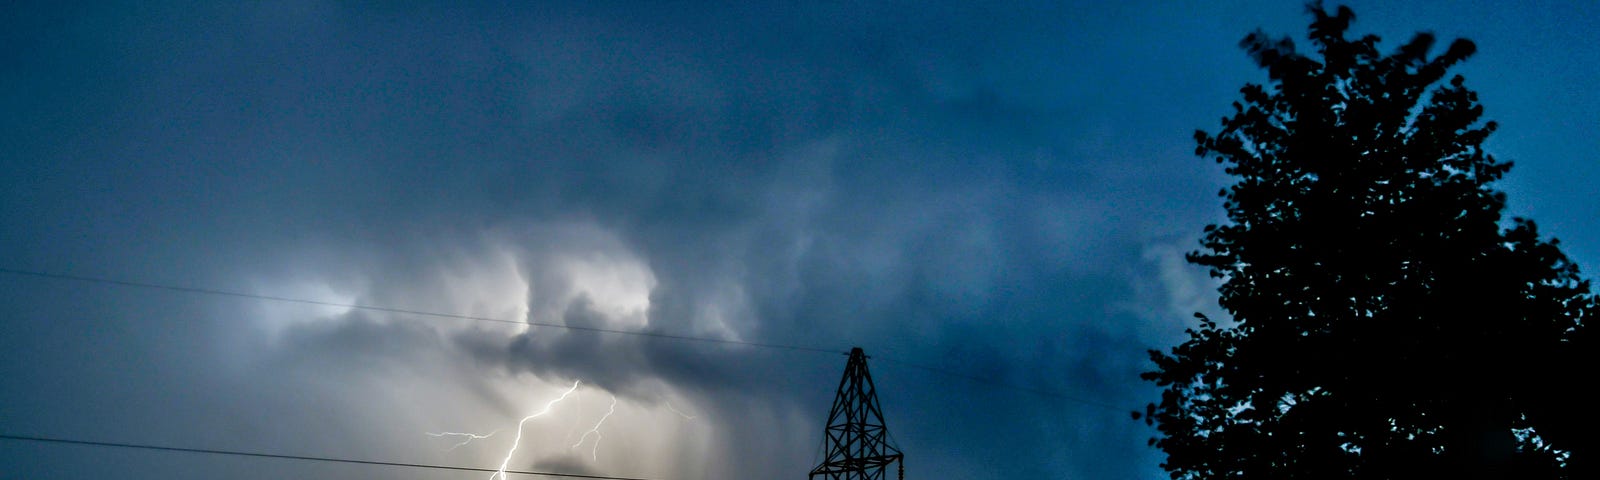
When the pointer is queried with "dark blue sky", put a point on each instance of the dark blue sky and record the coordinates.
(995, 189)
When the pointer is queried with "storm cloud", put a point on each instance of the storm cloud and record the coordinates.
(1000, 191)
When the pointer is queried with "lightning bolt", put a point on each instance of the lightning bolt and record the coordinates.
(681, 414)
(469, 437)
(503, 463)
(594, 454)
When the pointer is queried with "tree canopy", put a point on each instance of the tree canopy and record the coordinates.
(1386, 321)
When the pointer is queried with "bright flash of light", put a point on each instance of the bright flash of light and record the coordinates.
(681, 414)
(514, 443)
(466, 437)
(594, 454)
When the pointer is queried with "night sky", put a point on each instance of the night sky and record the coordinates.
(999, 190)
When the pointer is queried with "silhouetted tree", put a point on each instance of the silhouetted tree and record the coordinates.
(1385, 322)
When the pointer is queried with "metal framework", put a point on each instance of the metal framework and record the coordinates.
(857, 443)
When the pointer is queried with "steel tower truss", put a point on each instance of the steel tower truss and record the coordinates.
(857, 443)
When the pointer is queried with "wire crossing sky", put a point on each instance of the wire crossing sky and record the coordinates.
(207, 291)
(689, 208)
(207, 451)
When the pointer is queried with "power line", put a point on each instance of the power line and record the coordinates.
(664, 336)
(996, 383)
(226, 293)
(238, 453)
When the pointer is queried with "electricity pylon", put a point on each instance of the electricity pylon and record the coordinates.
(857, 442)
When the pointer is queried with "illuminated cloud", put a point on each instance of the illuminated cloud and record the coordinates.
(1002, 190)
